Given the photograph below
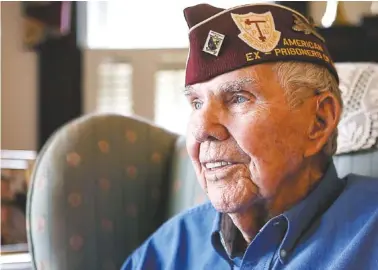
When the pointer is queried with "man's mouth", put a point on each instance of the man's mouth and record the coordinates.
(217, 165)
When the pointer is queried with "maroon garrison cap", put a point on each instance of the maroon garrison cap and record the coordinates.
(222, 40)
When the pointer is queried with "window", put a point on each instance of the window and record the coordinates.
(172, 110)
(114, 91)
(130, 25)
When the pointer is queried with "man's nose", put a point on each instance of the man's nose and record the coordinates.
(209, 124)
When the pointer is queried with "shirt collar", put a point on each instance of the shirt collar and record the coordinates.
(300, 216)
(217, 239)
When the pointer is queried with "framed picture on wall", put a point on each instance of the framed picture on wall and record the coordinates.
(16, 168)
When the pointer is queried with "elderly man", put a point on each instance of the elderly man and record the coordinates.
(261, 136)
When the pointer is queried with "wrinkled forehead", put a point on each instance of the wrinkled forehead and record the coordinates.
(234, 85)
(237, 80)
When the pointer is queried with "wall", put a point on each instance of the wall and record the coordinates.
(18, 83)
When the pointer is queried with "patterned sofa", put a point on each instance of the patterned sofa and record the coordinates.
(103, 183)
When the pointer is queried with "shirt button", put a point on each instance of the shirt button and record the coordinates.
(283, 253)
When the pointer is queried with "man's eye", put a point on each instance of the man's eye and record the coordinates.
(240, 99)
(197, 105)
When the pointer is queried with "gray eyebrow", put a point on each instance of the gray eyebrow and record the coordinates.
(230, 86)
(237, 85)
(188, 90)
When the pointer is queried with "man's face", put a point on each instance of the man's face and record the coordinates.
(244, 139)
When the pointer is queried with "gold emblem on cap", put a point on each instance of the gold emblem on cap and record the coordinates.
(257, 30)
(213, 43)
(300, 25)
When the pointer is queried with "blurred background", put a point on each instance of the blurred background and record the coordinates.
(61, 60)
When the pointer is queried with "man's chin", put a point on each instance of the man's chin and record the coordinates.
(229, 208)
(235, 206)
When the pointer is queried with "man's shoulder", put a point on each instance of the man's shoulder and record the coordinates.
(189, 231)
(361, 185)
(191, 221)
(198, 211)
(349, 227)
(360, 194)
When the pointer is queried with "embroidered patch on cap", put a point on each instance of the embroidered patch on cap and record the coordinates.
(213, 43)
(257, 30)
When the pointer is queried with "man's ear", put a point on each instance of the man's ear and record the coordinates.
(324, 122)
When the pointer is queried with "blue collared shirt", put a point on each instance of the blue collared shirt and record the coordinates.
(334, 227)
